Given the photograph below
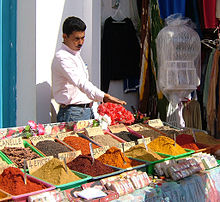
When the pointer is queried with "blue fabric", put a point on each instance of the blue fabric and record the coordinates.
(68, 114)
(169, 7)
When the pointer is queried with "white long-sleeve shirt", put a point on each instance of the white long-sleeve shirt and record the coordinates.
(70, 79)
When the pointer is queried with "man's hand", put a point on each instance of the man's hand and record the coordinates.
(109, 98)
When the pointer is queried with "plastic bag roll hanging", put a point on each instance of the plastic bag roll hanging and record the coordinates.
(178, 55)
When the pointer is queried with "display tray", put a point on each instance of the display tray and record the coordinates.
(188, 153)
(4, 196)
(26, 144)
(82, 135)
(139, 135)
(5, 158)
(84, 179)
(206, 149)
(118, 171)
(142, 167)
(114, 136)
(24, 197)
(150, 167)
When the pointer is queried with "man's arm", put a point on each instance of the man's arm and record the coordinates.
(109, 98)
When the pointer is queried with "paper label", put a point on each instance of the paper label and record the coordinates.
(147, 140)
(69, 156)
(99, 151)
(36, 139)
(155, 123)
(61, 136)
(82, 124)
(34, 164)
(12, 142)
(118, 128)
(127, 145)
(94, 131)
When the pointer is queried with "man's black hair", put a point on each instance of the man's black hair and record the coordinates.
(72, 24)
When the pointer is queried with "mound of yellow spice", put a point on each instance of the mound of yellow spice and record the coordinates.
(54, 172)
(140, 152)
(166, 145)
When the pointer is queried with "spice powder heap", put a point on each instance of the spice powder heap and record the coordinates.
(51, 148)
(140, 152)
(114, 157)
(83, 164)
(17, 155)
(165, 145)
(186, 141)
(79, 143)
(54, 172)
(12, 181)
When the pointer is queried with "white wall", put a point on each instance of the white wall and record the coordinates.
(38, 37)
(26, 61)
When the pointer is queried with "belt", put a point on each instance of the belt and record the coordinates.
(88, 105)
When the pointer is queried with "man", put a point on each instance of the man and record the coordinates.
(71, 86)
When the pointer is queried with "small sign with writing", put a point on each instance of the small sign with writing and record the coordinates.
(99, 151)
(118, 128)
(69, 156)
(147, 140)
(36, 139)
(155, 123)
(34, 164)
(127, 145)
(94, 131)
(82, 124)
(61, 136)
(12, 142)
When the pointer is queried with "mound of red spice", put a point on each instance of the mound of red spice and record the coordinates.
(83, 164)
(186, 141)
(12, 181)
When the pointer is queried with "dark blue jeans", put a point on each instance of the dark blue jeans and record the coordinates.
(71, 113)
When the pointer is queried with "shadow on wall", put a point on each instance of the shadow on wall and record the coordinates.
(47, 108)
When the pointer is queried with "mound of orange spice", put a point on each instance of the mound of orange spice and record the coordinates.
(79, 143)
(114, 157)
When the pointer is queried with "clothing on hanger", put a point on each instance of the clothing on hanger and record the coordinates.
(192, 115)
(120, 55)
(119, 16)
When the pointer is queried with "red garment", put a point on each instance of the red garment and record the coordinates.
(209, 8)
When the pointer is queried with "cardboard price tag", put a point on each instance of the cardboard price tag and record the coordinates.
(12, 142)
(36, 139)
(34, 164)
(69, 156)
(155, 123)
(61, 136)
(147, 140)
(82, 124)
(99, 151)
(127, 145)
(118, 128)
(94, 131)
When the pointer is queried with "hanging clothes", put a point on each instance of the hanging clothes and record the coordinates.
(192, 115)
(169, 7)
(207, 78)
(120, 51)
(209, 12)
(211, 103)
(217, 12)
(192, 11)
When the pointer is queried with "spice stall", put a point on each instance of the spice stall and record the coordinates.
(72, 161)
